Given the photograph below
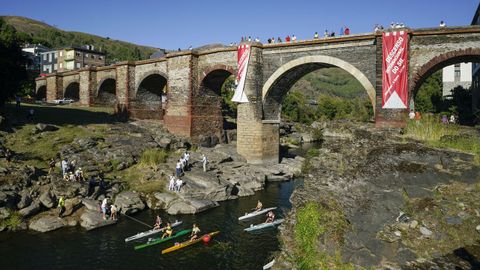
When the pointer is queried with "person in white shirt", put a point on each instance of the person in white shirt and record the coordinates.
(171, 185)
(204, 162)
(178, 184)
(294, 38)
(64, 166)
(411, 115)
(442, 24)
(104, 207)
(178, 168)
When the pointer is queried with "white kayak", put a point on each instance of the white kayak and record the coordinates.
(269, 265)
(263, 225)
(256, 213)
(150, 232)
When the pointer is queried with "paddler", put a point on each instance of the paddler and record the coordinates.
(168, 231)
(259, 206)
(195, 232)
(270, 217)
(158, 223)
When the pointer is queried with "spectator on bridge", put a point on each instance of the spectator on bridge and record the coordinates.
(332, 34)
(341, 31)
(249, 38)
(257, 39)
(294, 38)
(273, 39)
(269, 40)
(347, 31)
(279, 40)
(287, 39)
(315, 36)
(442, 24)
(326, 34)
(190, 48)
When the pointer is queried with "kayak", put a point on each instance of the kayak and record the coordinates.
(263, 225)
(269, 265)
(256, 213)
(150, 232)
(188, 243)
(160, 240)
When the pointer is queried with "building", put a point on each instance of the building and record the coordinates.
(71, 58)
(48, 62)
(79, 57)
(456, 75)
(32, 53)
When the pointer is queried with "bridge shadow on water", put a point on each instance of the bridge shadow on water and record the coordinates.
(60, 115)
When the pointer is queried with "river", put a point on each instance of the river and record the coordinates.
(104, 248)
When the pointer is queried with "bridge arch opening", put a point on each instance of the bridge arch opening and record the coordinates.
(72, 91)
(213, 113)
(149, 97)
(445, 86)
(41, 93)
(284, 78)
(106, 95)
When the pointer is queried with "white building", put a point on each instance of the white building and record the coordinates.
(456, 75)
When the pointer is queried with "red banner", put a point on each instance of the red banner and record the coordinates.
(394, 70)
(243, 55)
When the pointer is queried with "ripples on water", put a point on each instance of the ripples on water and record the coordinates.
(105, 248)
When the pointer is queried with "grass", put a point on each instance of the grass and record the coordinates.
(313, 221)
(152, 157)
(13, 221)
(135, 178)
(434, 133)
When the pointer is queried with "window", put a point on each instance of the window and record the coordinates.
(49, 57)
(45, 57)
(54, 66)
(61, 65)
(457, 72)
(55, 55)
(79, 65)
(61, 53)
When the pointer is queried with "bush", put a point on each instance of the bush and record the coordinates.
(13, 221)
(313, 152)
(151, 157)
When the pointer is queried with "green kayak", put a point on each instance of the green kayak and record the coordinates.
(160, 240)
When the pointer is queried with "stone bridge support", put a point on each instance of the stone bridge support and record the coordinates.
(257, 140)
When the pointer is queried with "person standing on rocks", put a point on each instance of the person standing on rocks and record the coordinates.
(51, 166)
(64, 166)
(113, 212)
(61, 205)
(186, 157)
(104, 208)
(204, 162)
(171, 185)
(178, 168)
(178, 184)
(8, 156)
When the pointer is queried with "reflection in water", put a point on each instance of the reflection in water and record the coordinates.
(105, 248)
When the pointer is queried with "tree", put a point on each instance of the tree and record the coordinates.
(12, 69)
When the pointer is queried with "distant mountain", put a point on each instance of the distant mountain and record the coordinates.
(32, 31)
(330, 81)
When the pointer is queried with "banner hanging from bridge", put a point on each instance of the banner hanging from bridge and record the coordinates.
(243, 55)
(394, 70)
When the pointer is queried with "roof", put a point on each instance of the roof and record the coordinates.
(475, 17)
(77, 48)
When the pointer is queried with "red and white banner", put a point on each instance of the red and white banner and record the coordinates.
(394, 70)
(243, 55)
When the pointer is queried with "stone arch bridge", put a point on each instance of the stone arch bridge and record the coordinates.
(183, 88)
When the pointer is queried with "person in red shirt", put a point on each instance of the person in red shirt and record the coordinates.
(287, 39)
(347, 31)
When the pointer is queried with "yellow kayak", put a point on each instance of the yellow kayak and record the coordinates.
(188, 243)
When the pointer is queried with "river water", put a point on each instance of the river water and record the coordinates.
(104, 248)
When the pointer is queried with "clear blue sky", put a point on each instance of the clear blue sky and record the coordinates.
(174, 24)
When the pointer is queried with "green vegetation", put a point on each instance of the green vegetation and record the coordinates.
(12, 70)
(137, 177)
(152, 157)
(34, 32)
(430, 130)
(313, 221)
(229, 108)
(13, 221)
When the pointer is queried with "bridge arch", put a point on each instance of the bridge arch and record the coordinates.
(284, 77)
(106, 92)
(150, 95)
(72, 91)
(439, 62)
(41, 93)
(209, 113)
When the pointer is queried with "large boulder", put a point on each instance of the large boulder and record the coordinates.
(31, 210)
(39, 128)
(92, 205)
(93, 219)
(25, 199)
(46, 224)
(71, 205)
(47, 200)
(129, 202)
(7, 199)
(190, 206)
(159, 200)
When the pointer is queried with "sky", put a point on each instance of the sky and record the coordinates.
(180, 23)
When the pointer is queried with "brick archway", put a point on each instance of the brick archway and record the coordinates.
(146, 75)
(439, 62)
(210, 69)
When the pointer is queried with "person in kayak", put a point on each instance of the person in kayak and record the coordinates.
(270, 217)
(168, 231)
(259, 206)
(195, 232)
(158, 223)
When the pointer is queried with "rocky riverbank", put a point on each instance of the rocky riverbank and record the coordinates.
(373, 199)
(116, 153)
